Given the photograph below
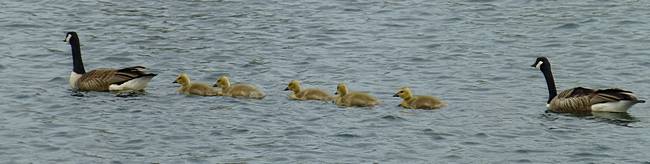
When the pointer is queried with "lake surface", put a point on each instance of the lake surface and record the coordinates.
(474, 54)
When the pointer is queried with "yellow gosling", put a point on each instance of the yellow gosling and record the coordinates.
(418, 102)
(306, 93)
(189, 88)
(238, 90)
(353, 99)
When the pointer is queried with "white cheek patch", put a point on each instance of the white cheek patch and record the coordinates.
(67, 38)
(539, 64)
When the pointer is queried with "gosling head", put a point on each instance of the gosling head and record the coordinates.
(294, 85)
(222, 82)
(182, 79)
(542, 63)
(341, 89)
(403, 93)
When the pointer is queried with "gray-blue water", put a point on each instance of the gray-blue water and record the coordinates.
(474, 54)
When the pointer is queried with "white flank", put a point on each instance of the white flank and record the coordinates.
(135, 84)
(539, 64)
(74, 77)
(619, 106)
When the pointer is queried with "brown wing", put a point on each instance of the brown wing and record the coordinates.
(612, 95)
(129, 73)
(576, 92)
(99, 79)
(572, 100)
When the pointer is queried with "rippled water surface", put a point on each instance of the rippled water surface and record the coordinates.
(475, 54)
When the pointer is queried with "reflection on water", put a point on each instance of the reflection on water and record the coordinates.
(616, 118)
(622, 119)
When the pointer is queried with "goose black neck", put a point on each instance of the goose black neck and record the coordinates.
(550, 82)
(77, 63)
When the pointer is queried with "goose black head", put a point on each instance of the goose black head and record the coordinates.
(541, 63)
(71, 37)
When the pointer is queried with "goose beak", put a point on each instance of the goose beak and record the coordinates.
(534, 65)
(286, 89)
(395, 95)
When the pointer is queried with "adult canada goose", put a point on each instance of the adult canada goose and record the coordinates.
(418, 102)
(579, 99)
(306, 93)
(192, 88)
(358, 99)
(238, 90)
(104, 79)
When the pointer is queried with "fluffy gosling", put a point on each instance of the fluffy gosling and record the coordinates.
(306, 93)
(238, 90)
(418, 102)
(353, 99)
(189, 88)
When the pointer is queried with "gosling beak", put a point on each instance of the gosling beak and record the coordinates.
(395, 95)
(215, 85)
(174, 82)
(336, 93)
(286, 89)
